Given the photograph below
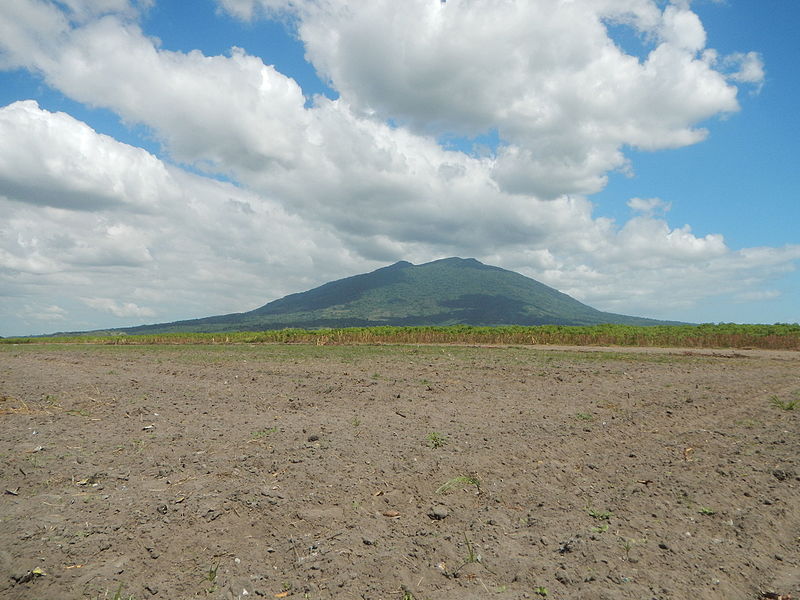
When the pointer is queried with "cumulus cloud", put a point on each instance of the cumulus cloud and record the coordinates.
(746, 68)
(47, 313)
(562, 95)
(51, 159)
(340, 186)
(201, 246)
(126, 309)
(649, 206)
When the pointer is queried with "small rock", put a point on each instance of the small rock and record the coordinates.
(152, 589)
(313, 438)
(566, 547)
(437, 513)
(782, 475)
(368, 541)
(563, 577)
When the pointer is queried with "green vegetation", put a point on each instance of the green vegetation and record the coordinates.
(436, 440)
(263, 433)
(599, 515)
(460, 480)
(211, 577)
(119, 596)
(541, 591)
(786, 404)
(773, 337)
(440, 293)
(472, 556)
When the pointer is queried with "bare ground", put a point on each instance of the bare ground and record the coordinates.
(397, 473)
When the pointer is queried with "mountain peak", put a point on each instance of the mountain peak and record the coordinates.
(401, 264)
(448, 291)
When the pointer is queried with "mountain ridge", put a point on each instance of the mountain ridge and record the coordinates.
(448, 291)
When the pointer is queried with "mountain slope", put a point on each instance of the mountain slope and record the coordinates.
(443, 292)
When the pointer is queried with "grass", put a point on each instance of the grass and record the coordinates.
(722, 335)
(263, 433)
(119, 596)
(471, 558)
(541, 591)
(599, 515)
(211, 577)
(785, 404)
(436, 440)
(459, 481)
(705, 510)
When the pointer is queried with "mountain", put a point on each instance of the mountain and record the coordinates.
(443, 292)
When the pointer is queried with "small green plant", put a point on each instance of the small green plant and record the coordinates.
(784, 404)
(627, 546)
(436, 440)
(600, 528)
(472, 556)
(52, 401)
(118, 594)
(212, 574)
(541, 591)
(460, 480)
(211, 577)
(79, 412)
(264, 433)
(356, 421)
(407, 595)
(600, 515)
(582, 416)
(705, 510)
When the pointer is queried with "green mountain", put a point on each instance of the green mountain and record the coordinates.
(443, 292)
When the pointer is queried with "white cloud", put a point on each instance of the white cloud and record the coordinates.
(202, 246)
(546, 75)
(758, 296)
(46, 313)
(746, 68)
(682, 28)
(51, 159)
(649, 206)
(118, 309)
(333, 189)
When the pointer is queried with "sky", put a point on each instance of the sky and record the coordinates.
(164, 160)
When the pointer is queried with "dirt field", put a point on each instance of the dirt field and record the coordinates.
(397, 473)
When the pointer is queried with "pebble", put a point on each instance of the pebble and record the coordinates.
(437, 513)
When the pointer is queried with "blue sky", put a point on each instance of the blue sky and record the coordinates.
(645, 163)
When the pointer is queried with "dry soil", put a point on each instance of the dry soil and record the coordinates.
(397, 472)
